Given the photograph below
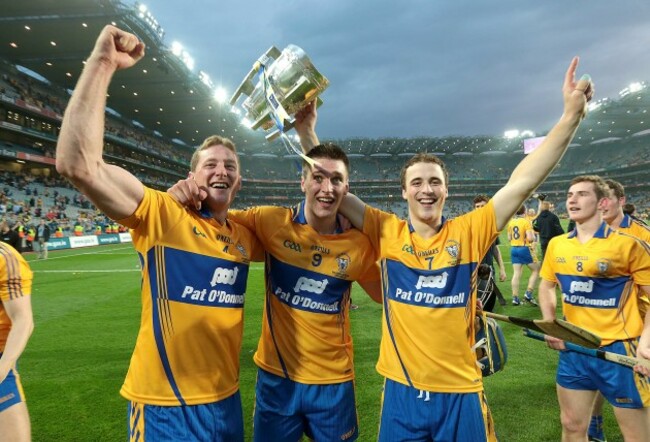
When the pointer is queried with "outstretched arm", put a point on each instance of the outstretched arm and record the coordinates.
(79, 149)
(534, 169)
(19, 311)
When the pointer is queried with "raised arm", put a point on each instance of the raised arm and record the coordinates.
(534, 169)
(351, 206)
(79, 149)
(305, 126)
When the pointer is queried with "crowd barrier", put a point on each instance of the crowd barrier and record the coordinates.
(75, 242)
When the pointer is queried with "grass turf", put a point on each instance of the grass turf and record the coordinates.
(86, 306)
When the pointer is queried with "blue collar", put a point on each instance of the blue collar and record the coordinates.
(603, 231)
(411, 229)
(300, 218)
(626, 221)
(206, 214)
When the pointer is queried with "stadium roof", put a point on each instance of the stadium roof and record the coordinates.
(54, 37)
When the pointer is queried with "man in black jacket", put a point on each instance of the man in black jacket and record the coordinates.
(547, 224)
(9, 236)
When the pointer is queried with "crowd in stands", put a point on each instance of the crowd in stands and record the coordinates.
(26, 199)
(479, 165)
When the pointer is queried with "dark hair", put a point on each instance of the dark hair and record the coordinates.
(423, 158)
(521, 210)
(481, 198)
(328, 151)
(629, 208)
(619, 190)
(600, 187)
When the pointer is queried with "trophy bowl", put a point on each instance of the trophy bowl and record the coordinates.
(294, 81)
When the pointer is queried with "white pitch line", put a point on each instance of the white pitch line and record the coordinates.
(104, 252)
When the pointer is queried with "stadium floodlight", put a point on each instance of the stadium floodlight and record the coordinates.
(527, 133)
(220, 95)
(142, 8)
(595, 105)
(510, 134)
(177, 48)
(636, 87)
(246, 122)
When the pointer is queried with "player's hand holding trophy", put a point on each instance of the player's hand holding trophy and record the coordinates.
(286, 82)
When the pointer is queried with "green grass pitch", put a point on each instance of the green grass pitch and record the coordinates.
(87, 309)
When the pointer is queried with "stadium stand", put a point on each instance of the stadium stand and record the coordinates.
(156, 145)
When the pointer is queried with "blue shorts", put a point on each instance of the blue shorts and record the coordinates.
(217, 421)
(11, 392)
(285, 410)
(522, 255)
(620, 385)
(416, 415)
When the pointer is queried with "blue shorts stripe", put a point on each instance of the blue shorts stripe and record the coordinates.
(218, 421)
(11, 392)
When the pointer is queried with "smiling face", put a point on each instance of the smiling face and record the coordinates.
(582, 202)
(425, 190)
(324, 188)
(613, 207)
(217, 171)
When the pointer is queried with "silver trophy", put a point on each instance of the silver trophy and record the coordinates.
(287, 81)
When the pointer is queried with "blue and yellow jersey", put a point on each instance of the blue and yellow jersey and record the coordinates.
(194, 273)
(306, 327)
(599, 281)
(517, 228)
(635, 228)
(429, 288)
(15, 282)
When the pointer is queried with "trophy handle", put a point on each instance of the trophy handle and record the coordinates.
(247, 86)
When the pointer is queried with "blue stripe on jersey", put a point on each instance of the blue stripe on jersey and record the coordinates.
(157, 329)
(592, 292)
(163, 299)
(306, 290)
(201, 280)
(387, 316)
(448, 287)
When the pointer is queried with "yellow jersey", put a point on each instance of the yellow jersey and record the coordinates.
(517, 231)
(599, 281)
(429, 292)
(306, 324)
(194, 273)
(15, 282)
